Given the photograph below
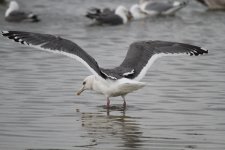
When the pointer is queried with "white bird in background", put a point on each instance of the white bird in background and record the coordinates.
(14, 14)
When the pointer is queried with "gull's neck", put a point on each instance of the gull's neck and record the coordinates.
(101, 85)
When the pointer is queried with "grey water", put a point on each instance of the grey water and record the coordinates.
(182, 108)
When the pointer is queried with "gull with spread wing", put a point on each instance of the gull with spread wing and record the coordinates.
(118, 81)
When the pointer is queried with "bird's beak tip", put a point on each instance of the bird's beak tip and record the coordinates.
(80, 91)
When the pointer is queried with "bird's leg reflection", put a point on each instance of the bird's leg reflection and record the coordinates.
(107, 112)
(123, 111)
(108, 106)
(108, 103)
(124, 103)
(112, 128)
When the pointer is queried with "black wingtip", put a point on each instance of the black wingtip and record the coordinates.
(10, 35)
(198, 51)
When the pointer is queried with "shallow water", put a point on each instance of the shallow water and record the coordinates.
(182, 108)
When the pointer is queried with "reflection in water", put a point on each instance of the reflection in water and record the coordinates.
(124, 129)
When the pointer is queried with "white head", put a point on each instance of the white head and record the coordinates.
(123, 13)
(136, 12)
(13, 6)
(87, 84)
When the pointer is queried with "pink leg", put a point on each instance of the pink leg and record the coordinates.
(108, 103)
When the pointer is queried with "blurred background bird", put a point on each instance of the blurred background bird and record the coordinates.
(14, 14)
(120, 15)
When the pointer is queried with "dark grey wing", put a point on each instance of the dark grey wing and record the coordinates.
(105, 16)
(108, 11)
(110, 18)
(16, 16)
(55, 44)
(97, 11)
(158, 6)
(141, 56)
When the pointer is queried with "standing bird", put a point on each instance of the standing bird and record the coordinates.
(110, 17)
(13, 14)
(118, 81)
(153, 7)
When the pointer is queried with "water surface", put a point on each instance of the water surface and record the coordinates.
(182, 108)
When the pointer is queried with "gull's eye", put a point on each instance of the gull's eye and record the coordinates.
(84, 83)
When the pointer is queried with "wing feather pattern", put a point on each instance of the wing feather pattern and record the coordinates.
(141, 55)
(55, 44)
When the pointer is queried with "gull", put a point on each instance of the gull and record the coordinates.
(14, 14)
(120, 15)
(118, 81)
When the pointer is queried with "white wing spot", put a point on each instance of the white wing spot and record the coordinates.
(128, 73)
(114, 78)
